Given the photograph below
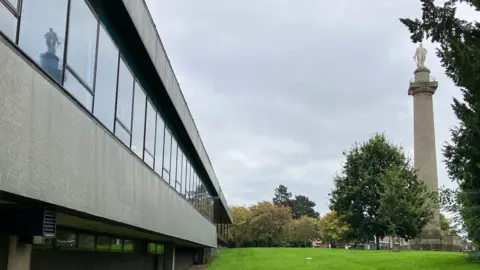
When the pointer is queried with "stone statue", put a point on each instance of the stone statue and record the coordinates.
(420, 55)
(51, 40)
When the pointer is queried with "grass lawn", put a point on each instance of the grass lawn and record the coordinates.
(333, 259)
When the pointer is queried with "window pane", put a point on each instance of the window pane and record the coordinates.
(166, 176)
(179, 169)
(150, 128)
(173, 170)
(8, 23)
(106, 80)
(86, 241)
(82, 41)
(78, 91)
(116, 245)
(148, 159)
(159, 145)
(14, 3)
(103, 243)
(66, 239)
(128, 245)
(122, 134)
(125, 95)
(42, 33)
(167, 152)
(138, 129)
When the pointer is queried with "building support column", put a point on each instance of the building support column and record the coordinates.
(19, 254)
(169, 256)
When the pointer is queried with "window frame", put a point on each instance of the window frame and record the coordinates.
(16, 12)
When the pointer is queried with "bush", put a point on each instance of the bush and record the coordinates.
(474, 257)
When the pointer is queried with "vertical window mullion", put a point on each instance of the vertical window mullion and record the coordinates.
(95, 67)
(116, 94)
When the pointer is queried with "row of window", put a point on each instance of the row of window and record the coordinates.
(71, 240)
(69, 42)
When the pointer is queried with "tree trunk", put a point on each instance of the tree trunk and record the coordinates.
(377, 239)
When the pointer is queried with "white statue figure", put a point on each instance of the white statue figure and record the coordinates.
(420, 55)
(51, 40)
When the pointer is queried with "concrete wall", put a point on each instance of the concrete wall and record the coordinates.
(76, 260)
(151, 40)
(55, 152)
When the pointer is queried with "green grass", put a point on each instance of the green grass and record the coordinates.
(337, 259)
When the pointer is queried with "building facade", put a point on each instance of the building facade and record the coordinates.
(101, 164)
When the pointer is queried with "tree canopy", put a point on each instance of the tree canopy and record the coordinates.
(303, 206)
(358, 188)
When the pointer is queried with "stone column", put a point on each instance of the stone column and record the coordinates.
(19, 254)
(425, 159)
(169, 256)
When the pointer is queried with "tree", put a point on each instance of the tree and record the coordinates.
(269, 223)
(405, 205)
(282, 196)
(357, 188)
(332, 230)
(445, 224)
(459, 53)
(304, 230)
(302, 206)
(239, 230)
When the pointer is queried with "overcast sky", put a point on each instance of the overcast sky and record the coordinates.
(279, 88)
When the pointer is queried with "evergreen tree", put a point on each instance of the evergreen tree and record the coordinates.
(282, 197)
(302, 206)
(459, 53)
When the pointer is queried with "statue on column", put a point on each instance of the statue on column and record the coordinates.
(51, 40)
(420, 55)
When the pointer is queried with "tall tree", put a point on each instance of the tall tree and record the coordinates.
(356, 194)
(459, 53)
(332, 230)
(405, 203)
(302, 206)
(282, 197)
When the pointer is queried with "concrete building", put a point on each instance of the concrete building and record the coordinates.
(101, 164)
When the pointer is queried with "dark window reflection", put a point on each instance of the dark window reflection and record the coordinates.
(78, 91)
(159, 145)
(82, 41)
(122, 134)
(42, 33)
(106, 80)
(8, 23)
(138, 128)
(86, 241)
(103, 243)
(125, 95)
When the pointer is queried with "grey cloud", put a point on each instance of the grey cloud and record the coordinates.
(279, 89)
